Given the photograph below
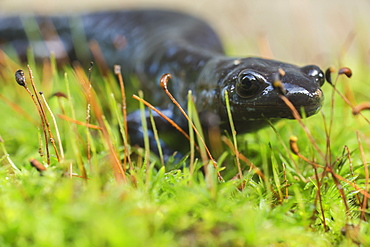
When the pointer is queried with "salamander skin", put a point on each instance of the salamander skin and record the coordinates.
(149, 43)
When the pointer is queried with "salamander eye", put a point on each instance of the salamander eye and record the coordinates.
(248, 84)
(315, 72)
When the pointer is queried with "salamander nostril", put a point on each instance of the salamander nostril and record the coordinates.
(320, 78)
(315, 72)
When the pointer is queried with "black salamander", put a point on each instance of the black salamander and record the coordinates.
(149, 43)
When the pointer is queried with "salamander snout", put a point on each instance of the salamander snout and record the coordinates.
(303, 88)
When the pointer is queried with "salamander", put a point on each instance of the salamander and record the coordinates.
(149, 43)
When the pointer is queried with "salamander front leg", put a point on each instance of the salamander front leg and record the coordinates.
(136, 132)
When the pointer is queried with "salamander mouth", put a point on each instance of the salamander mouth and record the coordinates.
(306, 106)
(286, 112)
(253, 121)
(281, 111)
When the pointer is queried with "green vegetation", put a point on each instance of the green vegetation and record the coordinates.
(95, 196)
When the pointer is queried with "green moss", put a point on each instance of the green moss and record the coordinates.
(159, 207)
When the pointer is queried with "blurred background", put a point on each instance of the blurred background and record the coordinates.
(296, 31)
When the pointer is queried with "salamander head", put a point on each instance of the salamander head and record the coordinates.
(253, 98)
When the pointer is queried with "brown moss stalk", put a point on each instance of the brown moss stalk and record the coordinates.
(21, 80)
(365, 200)
(56, 130)
(127, 158)
(164, 82)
